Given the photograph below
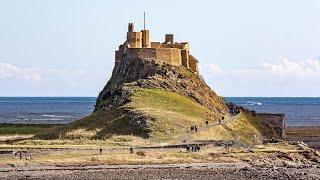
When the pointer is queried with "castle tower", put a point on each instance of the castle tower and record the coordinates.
(169, 39)
(134, 39)
(146, 39)
(130, 27)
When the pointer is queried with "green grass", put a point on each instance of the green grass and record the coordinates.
(214, 133)
(173, 113)
(250, 129)
(9, 129)
(98, 125)
(168, 117)
(167, 101)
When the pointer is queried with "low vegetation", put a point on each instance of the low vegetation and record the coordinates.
(23, 129)
(155, 116)
(302, 131)
(173, 114)
(249, 129)
(166, 114)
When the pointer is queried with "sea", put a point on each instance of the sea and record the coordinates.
(300, 111)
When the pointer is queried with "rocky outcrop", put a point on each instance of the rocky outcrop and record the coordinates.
(130, 74)
(113, 114)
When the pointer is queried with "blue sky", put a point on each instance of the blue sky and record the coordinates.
(246, 48)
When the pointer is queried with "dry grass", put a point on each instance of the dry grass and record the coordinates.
(149, 156)
(173, 113)
(249, 129)
(213, 133)
(15, 136)
(114, 141)
(244, 128)
(82, 133)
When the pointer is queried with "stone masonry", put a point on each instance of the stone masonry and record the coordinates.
(138, 46)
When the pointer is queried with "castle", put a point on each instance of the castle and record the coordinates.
(138, 45)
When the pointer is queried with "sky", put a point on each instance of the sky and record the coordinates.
(245, 48)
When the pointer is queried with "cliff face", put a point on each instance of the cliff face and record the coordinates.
(131, 74)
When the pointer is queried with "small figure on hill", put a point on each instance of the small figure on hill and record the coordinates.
(198, 148)
(254, 113)
(207, 122)
(192, 128)
(100, 151)
(222, 117)
(219, 121)
(29, 157)
(188, 148)
(196, 129)
(20, 155)
(131, 150)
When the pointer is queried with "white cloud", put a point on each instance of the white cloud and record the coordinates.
(287, 68)
(286, 78)
(11, 71)
(215, 69)
(8, 71)
(284, 69)
(20, 81)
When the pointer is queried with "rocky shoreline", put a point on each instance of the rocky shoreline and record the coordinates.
(166, 171)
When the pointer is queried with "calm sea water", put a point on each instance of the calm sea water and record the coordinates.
(49, 110)
(62, 110)
(299, 111)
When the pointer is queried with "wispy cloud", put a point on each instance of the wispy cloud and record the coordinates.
(286, 78)
(11, 71)
(287, 68)
(26, 81)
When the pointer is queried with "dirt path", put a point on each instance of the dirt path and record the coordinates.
(186, 138)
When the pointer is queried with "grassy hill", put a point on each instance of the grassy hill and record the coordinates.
(159, 103)
(167, 117)
(171, 113)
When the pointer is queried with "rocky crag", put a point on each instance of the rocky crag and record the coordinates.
(131, 74)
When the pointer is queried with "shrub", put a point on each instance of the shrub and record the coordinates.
(141, 153)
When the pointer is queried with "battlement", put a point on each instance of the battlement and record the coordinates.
(138, 45)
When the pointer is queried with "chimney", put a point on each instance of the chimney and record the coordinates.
(130, 27)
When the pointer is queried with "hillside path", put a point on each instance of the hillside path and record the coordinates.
(187, 137)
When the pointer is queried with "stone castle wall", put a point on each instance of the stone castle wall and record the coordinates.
(193, 64)
(167, 55)
(276, 120)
